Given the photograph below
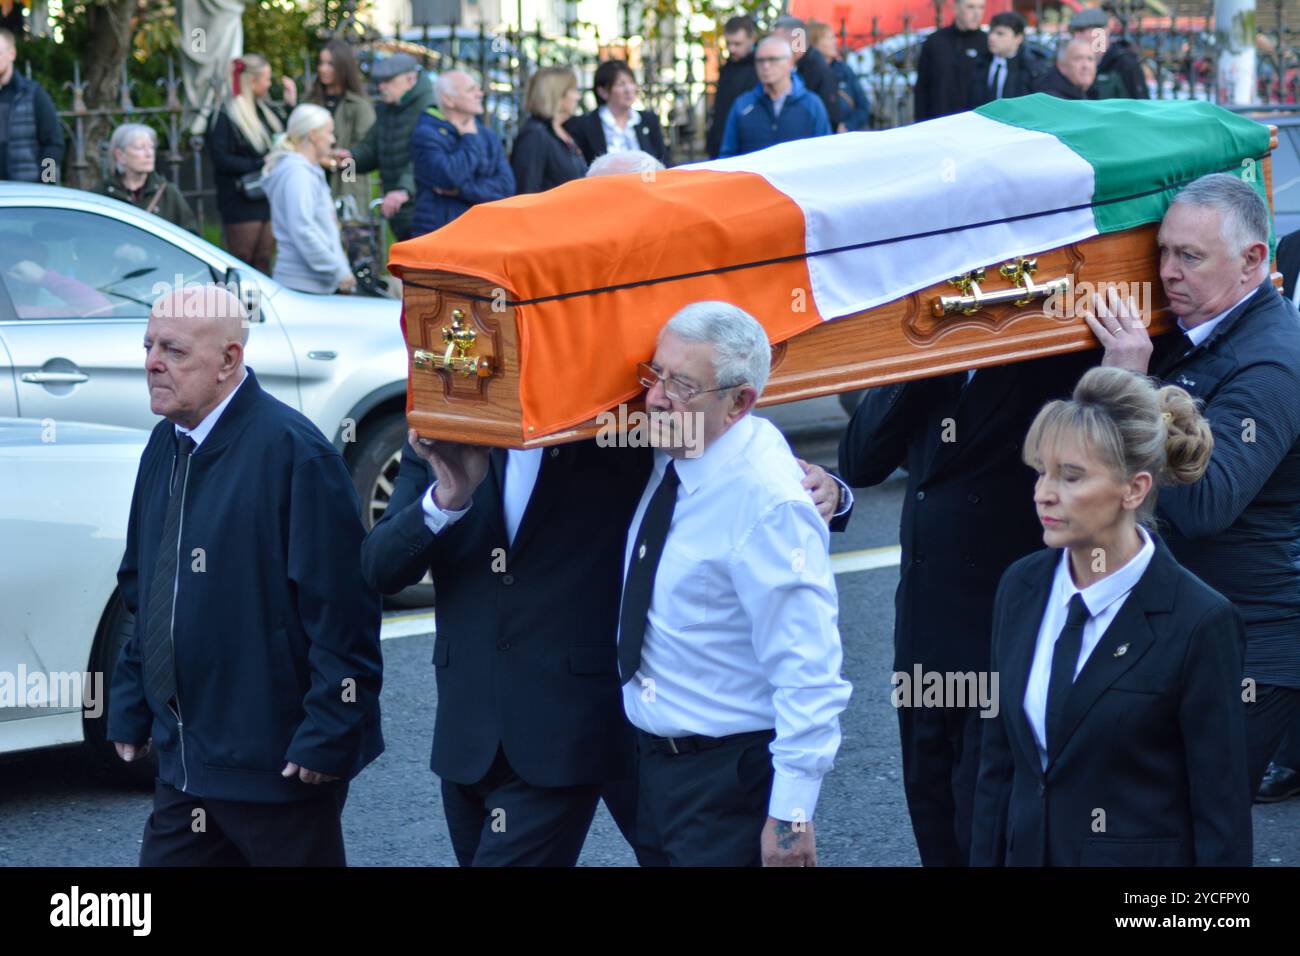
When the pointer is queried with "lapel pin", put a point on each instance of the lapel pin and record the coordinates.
(641, 551)
(1119, 651)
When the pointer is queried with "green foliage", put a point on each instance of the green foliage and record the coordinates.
(657, 11)
(53, 57)
(283, 31)
(287, 32)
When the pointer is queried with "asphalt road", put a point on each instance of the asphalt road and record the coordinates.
(57, 809)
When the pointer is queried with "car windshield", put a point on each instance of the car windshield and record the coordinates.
(1286, 171)
(65, 263)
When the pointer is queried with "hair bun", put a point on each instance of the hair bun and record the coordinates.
(1189, 441)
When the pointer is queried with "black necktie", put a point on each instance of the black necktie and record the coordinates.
(1065, 658)
(1180, 346)
(996, 82)
(647, 548)
(157, 653)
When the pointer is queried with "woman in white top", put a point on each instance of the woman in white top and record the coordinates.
(617, 126)
(310, 255)
(1119, 736)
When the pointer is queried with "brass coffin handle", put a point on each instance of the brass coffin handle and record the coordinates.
(460, 339)
(1023, 292)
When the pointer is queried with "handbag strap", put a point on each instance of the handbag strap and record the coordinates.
(157, 198)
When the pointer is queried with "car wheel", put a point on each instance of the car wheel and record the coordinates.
(117, 629)
(375, 464)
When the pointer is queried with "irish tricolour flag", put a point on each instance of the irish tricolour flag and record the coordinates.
(817, 229)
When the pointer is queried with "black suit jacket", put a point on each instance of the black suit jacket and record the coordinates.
(541, 160)
(968, 512)
(943, 71)
(589, 135)
(526, 653)
(1019, 80)
(820, 81)
(735, 77)
(1154, 736)
(1055, 83)
(1288, 262)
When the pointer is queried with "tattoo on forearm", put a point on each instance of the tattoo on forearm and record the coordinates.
(786, 835)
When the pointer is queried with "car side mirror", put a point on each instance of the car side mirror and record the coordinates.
(248, 293)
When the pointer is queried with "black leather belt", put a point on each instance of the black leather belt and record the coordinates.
(697, 742)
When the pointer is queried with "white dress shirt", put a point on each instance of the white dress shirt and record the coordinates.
(1200, 333)
(620, 140)
(741, 633)
(522, 467)
(204, 428)
(1104, 599)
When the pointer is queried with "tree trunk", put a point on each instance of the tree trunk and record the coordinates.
(110, 30)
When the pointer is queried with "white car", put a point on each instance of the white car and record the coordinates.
(63, 516)
(78, 273)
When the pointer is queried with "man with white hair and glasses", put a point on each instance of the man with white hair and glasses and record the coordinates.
(728, 650)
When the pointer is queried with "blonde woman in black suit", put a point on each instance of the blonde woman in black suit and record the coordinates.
(1120, 737)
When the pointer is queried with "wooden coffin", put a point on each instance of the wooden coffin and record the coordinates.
(468, 334)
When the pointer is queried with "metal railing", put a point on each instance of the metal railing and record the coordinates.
(180, 156)
(1178, 57)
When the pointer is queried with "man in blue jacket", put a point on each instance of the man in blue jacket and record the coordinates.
(254, 670)
(458, 161)
(778, 110)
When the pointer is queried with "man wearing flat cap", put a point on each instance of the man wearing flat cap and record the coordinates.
(254, 669)
(406, 94)
(1119, 74)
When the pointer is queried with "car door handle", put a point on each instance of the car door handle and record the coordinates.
(55, 378)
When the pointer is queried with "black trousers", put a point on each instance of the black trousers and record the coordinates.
(504, 821)
(705, 807)
(185, 830)
(620, 801)
(941, 756)
(1288, 752)
(1273, 712)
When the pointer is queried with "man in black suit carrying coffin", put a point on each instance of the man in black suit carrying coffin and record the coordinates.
(525, 548)
(968, 514)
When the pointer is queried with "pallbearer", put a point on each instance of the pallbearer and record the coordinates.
(728, 646)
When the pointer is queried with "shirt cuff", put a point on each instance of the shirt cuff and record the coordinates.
(793, 798)
(846, 497)
(435, 519)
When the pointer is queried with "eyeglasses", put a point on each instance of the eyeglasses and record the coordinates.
(769, 60)
(649, 377)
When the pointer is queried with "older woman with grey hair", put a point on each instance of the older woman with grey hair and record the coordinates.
(133, 177)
